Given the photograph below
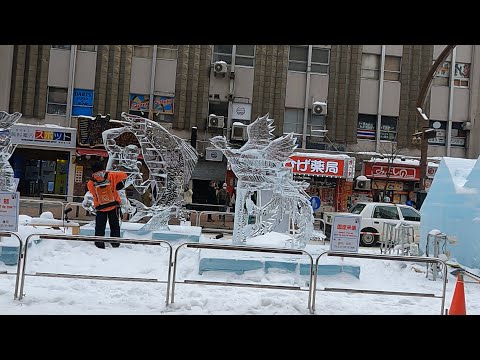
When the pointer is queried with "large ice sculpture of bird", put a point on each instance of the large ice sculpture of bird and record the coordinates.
(7, 179)
(259, 165)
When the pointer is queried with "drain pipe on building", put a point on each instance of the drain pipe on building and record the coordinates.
(231, 93)
(307, 98)
(380, 99)
(71, 84)
(451, 90)
(152, 82)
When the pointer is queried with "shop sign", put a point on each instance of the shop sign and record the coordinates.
(316, 166)
(43, 136)
(395, 172)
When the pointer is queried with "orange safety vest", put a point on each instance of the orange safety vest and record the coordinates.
(103, 188)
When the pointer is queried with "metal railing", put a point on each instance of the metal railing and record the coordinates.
(239, 284)
(380, 257)
(95, 277)
(45, 202)
(209, 212)
(321, 221)
(20, 249)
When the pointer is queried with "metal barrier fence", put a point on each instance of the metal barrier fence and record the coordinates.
(321, 221)
(20, 249)
(380, 257)
(45, 202)
(95, 277)
(248, 249)
(211, 213)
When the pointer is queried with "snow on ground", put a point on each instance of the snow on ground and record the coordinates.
(80, 296)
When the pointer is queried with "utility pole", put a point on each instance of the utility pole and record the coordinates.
(427, 133)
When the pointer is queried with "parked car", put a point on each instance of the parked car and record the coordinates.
(374, 215)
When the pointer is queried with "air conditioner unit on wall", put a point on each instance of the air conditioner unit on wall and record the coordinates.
(363, 184)
(239, 131)
(467, 125)
(220, 67)
(319, 108)
(215, 121)
(213, 154)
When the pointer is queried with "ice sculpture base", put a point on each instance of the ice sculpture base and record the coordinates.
(239, 262)
(134, 230)
(9, 254)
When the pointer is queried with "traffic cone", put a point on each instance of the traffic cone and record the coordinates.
(457, 307)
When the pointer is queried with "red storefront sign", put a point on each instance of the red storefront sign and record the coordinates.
(316, 166)
(376, 171)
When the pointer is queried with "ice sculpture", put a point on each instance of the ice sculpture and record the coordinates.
(260, 165)
(452, 206)
(7, 180)
(170, 161)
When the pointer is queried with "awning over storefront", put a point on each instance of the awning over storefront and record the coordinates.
(96, 152)
(210, 170)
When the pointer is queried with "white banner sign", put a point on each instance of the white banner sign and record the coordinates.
(345, 233)
(9, 209)
(44, 136)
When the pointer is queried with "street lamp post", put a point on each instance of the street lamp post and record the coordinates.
(427, 133)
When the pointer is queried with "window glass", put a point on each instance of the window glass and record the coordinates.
(143, 51)
(370, 66)
(61, 47)
(392, 68)
(388, 129)
(386, 212)
(410, 214)
(367, 126)
(357, 208)
(57, 101)
(91, 48)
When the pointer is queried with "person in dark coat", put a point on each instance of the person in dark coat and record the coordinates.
(211, 197)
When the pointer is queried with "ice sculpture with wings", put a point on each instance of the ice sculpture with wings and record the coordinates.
(259, 165)
(7, 180)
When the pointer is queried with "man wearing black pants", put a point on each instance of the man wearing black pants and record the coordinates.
(104, 187)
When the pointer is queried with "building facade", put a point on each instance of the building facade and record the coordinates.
(348, 99)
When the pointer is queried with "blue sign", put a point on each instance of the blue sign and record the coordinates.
(315, 201)
(82, 102)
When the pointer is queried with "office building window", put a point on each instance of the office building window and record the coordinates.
(293, 121)
(61, 47)
(167, 52)
(462, 75)
(441, 128)
(245, 55)
(298, 59)
(458, 134)
(223, 53)
(391, 71)
(370, 66)
(367, 126)
(443, 74)
(57, 101)
(143, 51)
(388, 128)
(320, 60)
(90, 48)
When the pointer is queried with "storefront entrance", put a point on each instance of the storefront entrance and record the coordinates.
(40, 171)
